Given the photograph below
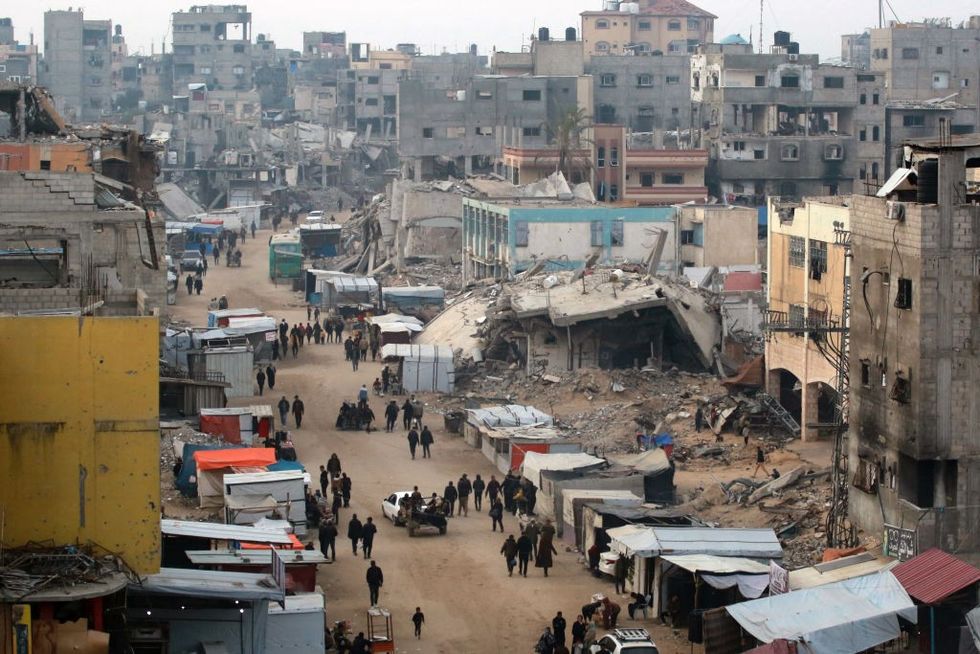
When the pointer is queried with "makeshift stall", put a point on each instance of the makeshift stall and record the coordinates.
(297, 628)
(301, 565)
(285, 257)
(213, 465)
(220, 317)
(263, 422)
(510, 415)
(234, 425)
(233, 364)
(321, 240)
(422, 368)
(413, 298)
(288, 489)
(351, 293)
(395, 328)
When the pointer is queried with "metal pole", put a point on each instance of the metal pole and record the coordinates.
(932, 630)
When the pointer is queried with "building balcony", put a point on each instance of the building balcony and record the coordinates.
(666, 158)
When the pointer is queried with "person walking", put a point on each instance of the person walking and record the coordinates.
(354, 532)
(464, 488)
(367, 537)
(413, 441)
(509, 550)
(496, 514)
(309, 312)
(578, 630)
(260, 380)
(345, 485)
(375, 580)
(391, 416)
(355, 359)
(558, 625)
(362, 396)
(408, 412)
(620, 571)
(198, 284)
(418, 618)
(385, 379)
(760, 462)
(533, 531)
(294, 344)
(298, 409)
(317, 333)
(546, 550)
(189, 283)
(324, 481)
(253, 231)
(523, 554)
(270, 376)
(479, 486)
(426, 440)
(364, 349)
(333, 465)
(493, 490)
(309, 333)
(449, 496)
(283, 407)
(546, 643)
(348, 349)
(316, 315)
(328, 539)
(338, 329)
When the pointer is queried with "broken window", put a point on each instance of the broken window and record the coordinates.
(693, 24)
(866, 475)
(531, 131)
(833, 82)
(875, 98)
(484, 95)
(646, 180)
(531, 95)
(818, 259)
(940, 80)
(760, 80)
(914, 120)
(602, 24)
(789, 81)
(672, 178)
(673, 79)
(428, 132)
(863, 99)
(602, 46)
(371, 102)
(617, 235)
(687, 236)
(789, 152)
(738, 146)
(607, 80)
(866, 373)
(520, 234)
(758, 154)
(644, 80)
(916, 481)
(901, 389)
(797, 251)
(484, 131)
(239, 48)
(614, 156)
(875, 133)
(910, 53)
(643, 25)
(673, 26)
(903, 299)
(863, 134)
(613, 192)
(797, 317)
(833, 152)
(595, 229)
(457, 132)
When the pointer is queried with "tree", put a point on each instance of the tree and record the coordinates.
(568, 136)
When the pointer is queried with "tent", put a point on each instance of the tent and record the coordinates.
(847, 616)
(233, 425)
(186, 481)
(423, 368)
(509, 415)
(535, 462)
(413, 297)
(220, 317)
(287, 489)
(722, 572)
(214, 464)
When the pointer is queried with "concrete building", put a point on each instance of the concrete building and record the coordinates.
(18, 61)
(668, 26)
(501, 239)
(806, 271)
(713, 235)
(778, 124)
(929, 60)
(855, 49)
(913, 455)
(212, 44)
(77, 64)
(643, 93)
(367, 102)
(326, 45)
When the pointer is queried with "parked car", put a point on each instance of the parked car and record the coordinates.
(190, 260)
(625, 641)
(314, 216)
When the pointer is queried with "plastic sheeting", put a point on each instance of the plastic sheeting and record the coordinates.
(535, 462)
(849, 616)
(750, 586)
(510, 415)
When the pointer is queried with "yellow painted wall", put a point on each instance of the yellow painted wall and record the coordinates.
(79, 411)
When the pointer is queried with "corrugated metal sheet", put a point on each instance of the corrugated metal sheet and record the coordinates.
(935, 575)
(219, 531)
(253, 557)
(236, 364)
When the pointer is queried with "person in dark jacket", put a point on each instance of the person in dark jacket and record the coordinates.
(509, 488)
(336, 504)
(198, 284)
(375, 580)
(189, 283)
(496, 514)
(413, 441)
(333, 465)
(464, 488)
(509, 550)
(449, 496)
(283, 407)
(345, 485)
(546, 550)
(493, 489)
(324, 480)
(367, 537)
(260, 380)
(558, 625)
(426, 440)
(578, 630)
(354, 532)
(419, 619)
(620, 570)
(408, 412)
(348, 348)
(328, 539)
(479, 486)
(360, 644)
(270, 376)
(391, 415)
(523, 554)
(298, 410)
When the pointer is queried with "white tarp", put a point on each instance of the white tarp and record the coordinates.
(510, 415)
(648, 462)
(643, 541)
(717, 564)
(849, 616)
(750, 586)
(535, 462)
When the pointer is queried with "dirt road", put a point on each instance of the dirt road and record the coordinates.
(459, 580)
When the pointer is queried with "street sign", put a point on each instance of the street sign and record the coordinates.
(899, 542)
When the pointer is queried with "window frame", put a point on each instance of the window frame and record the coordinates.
(796, 252)
(674, 25)
(672, 179)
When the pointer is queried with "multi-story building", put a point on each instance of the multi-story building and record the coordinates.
(327, 45)
(18, 61)
(667, 26)
(855, 50)
(913, 456)
(780, 123)
(77, 64)
(714, 235)
(212, 44)
(644, 93)
(806, 270)
(925, 61)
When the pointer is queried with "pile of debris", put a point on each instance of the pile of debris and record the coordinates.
(38, 566)
(173, 437)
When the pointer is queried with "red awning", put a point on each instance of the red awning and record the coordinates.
(934, 575)
(237, 457)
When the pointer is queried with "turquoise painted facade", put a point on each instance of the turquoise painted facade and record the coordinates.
(501, 240)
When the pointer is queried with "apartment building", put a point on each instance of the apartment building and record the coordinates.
(855, 50)
(18, 61)
(715, 235)
(780, 123)
(327, 45)
(913, 456)
(212, 44)
(77, 64)
(806, 271)
(667, 26)
(643, 93)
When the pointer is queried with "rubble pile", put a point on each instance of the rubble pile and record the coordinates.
(173, 436)
(35, 567)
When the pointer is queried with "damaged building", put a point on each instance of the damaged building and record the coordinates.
(912, 451)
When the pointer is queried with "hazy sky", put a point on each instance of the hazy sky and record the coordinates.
(504, 24)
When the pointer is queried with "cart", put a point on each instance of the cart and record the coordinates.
(379, 631)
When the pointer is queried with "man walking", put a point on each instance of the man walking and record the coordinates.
(270, 376)
(523, 554)
(558, 625)
(493, 490)
(260, 380)
(328, 539)
(345, 485)
(413, 442)
(418, 618)
(408, 412)
(449, 495)
(324, 481)
(375, 580)
(283, 407)
(367, 537)
(354, 532)
(391, 415)
(298, 410)
(426, 440)
(699, 418)
(385, 379)
(496, 514)
(760, 462)
(478, 487)
(463, 489)
(533, 531)
(509, 550)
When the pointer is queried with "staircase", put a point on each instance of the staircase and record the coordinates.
(779, 414)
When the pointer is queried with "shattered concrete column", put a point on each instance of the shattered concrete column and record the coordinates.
(417, 164)
(468, 166)
(809, 411)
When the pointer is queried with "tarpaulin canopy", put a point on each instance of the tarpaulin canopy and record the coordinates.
(651, 461)
(849, 616)
(535, 462)
(243, 456)
(750, 586)
(209, 584)
(510, 415)
(717, 564)
(653, 541)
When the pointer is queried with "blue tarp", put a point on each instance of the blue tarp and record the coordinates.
(186, 481)
(286, 466)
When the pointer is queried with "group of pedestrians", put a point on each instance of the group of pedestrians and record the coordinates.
(536, 543)
(297, 408)
(266, 376)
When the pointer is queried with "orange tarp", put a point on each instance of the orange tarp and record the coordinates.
(297, 544)
(237, 457)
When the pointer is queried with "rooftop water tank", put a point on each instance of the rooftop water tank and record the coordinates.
(780, 38)
(543, 34)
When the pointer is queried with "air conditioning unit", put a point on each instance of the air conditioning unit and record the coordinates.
(895, 211)
(794, 57)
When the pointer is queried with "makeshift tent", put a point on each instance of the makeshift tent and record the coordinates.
(657, 471)
(840, 569)
(233, 425)
(570, 520)
(535, 462)
(423, 368)
(356, 292)
(648, 542)
(751, 577)
(286, 488)
(509, 415)
(233, 364)
(409, 298)
(847, 616)
(213, 465)
(220, 317)
(186, 481)
(506, 447)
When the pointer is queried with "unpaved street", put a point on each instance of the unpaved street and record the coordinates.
(459, 580)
